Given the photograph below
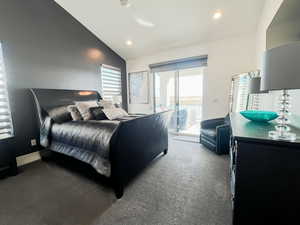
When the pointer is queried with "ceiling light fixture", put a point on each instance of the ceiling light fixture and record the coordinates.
(125, 3)
(144, 23)
(217, 15)
(129, 43)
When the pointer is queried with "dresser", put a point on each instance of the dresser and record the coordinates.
(265, 174)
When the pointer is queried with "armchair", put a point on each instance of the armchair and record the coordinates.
(215, 135)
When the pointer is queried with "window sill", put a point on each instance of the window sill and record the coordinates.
(5, 136)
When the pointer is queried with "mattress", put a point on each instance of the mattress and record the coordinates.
(87, 141)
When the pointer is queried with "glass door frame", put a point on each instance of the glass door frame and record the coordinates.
(176, 96)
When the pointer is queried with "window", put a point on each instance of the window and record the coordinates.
(6, 128)
(239, 92)
(110, 83)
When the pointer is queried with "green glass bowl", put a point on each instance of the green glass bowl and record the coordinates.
(259, 116)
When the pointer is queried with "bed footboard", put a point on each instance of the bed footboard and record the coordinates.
(135, 144)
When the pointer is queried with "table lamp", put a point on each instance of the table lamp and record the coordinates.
(254, 86)
(281, 71)
(254, 89)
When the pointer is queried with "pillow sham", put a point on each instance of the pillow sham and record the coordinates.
(84, 109)
(75, 114)
(106, 104)
(115, 113)
(97, 113)
(117, 105)
(60, 114)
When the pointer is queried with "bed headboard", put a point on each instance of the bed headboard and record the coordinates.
(49, 98)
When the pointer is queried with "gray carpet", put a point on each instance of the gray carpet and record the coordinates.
(188, 186)
(193, 139)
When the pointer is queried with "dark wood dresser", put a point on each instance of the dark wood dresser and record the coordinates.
(265, 175)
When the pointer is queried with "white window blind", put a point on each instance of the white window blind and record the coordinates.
(110, 83)
(6, 128)
(240, 92)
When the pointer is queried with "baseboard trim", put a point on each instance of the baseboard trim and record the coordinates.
(29, 158)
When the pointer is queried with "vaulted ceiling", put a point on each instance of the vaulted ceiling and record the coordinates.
(156, 25)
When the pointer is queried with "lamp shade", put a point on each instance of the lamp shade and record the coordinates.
(281, 68)
(254, 86)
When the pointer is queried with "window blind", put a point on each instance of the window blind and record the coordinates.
(110, 82)
(240, 92)
(6, 128)
(179, 64)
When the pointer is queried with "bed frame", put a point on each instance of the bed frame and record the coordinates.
(134, 144)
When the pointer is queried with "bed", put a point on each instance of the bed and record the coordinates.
(118, 149)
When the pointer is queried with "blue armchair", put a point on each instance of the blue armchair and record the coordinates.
(215, 135)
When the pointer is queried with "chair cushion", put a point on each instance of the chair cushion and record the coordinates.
(209, 133)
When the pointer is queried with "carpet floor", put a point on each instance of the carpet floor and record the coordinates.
(189, 186)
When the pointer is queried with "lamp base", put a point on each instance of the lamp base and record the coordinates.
(282, 131)
(284, 136)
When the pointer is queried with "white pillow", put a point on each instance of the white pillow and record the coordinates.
(84, 109)
(106, 104)
(114, 113)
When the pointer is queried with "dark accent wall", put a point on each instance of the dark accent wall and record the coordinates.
(45, 47)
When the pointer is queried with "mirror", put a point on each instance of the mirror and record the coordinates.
(285, 27)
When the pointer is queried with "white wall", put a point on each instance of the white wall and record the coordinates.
(225, 58)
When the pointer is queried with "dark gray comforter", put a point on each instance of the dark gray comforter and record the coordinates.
(88, 141)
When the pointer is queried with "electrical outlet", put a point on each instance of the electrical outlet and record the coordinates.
(33, 142)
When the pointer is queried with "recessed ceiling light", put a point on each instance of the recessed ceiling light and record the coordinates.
(217, 15)
(125, 3)
(144, 23)
(129, 43)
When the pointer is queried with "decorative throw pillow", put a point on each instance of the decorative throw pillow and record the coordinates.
(60, 114)
(75, 114)
(84, 109)
(97, 113)
(115, 113)
(106, 104)
(118, 105)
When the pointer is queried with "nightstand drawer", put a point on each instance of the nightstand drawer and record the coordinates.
(6, 156)
(8, 163)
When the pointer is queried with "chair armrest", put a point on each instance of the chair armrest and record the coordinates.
(209, 124)
(223, 138)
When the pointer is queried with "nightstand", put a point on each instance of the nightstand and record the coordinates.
(8, 164)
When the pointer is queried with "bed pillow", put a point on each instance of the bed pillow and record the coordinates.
(118, 105)
(75, 114)
(97, 113)
(84, 109)
(60, 114)
(115, 113)
(106, 104)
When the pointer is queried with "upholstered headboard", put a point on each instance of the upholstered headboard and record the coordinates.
(49, 98)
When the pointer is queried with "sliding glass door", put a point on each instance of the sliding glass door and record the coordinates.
(181, 92)
(165, 95)
(190, 90)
